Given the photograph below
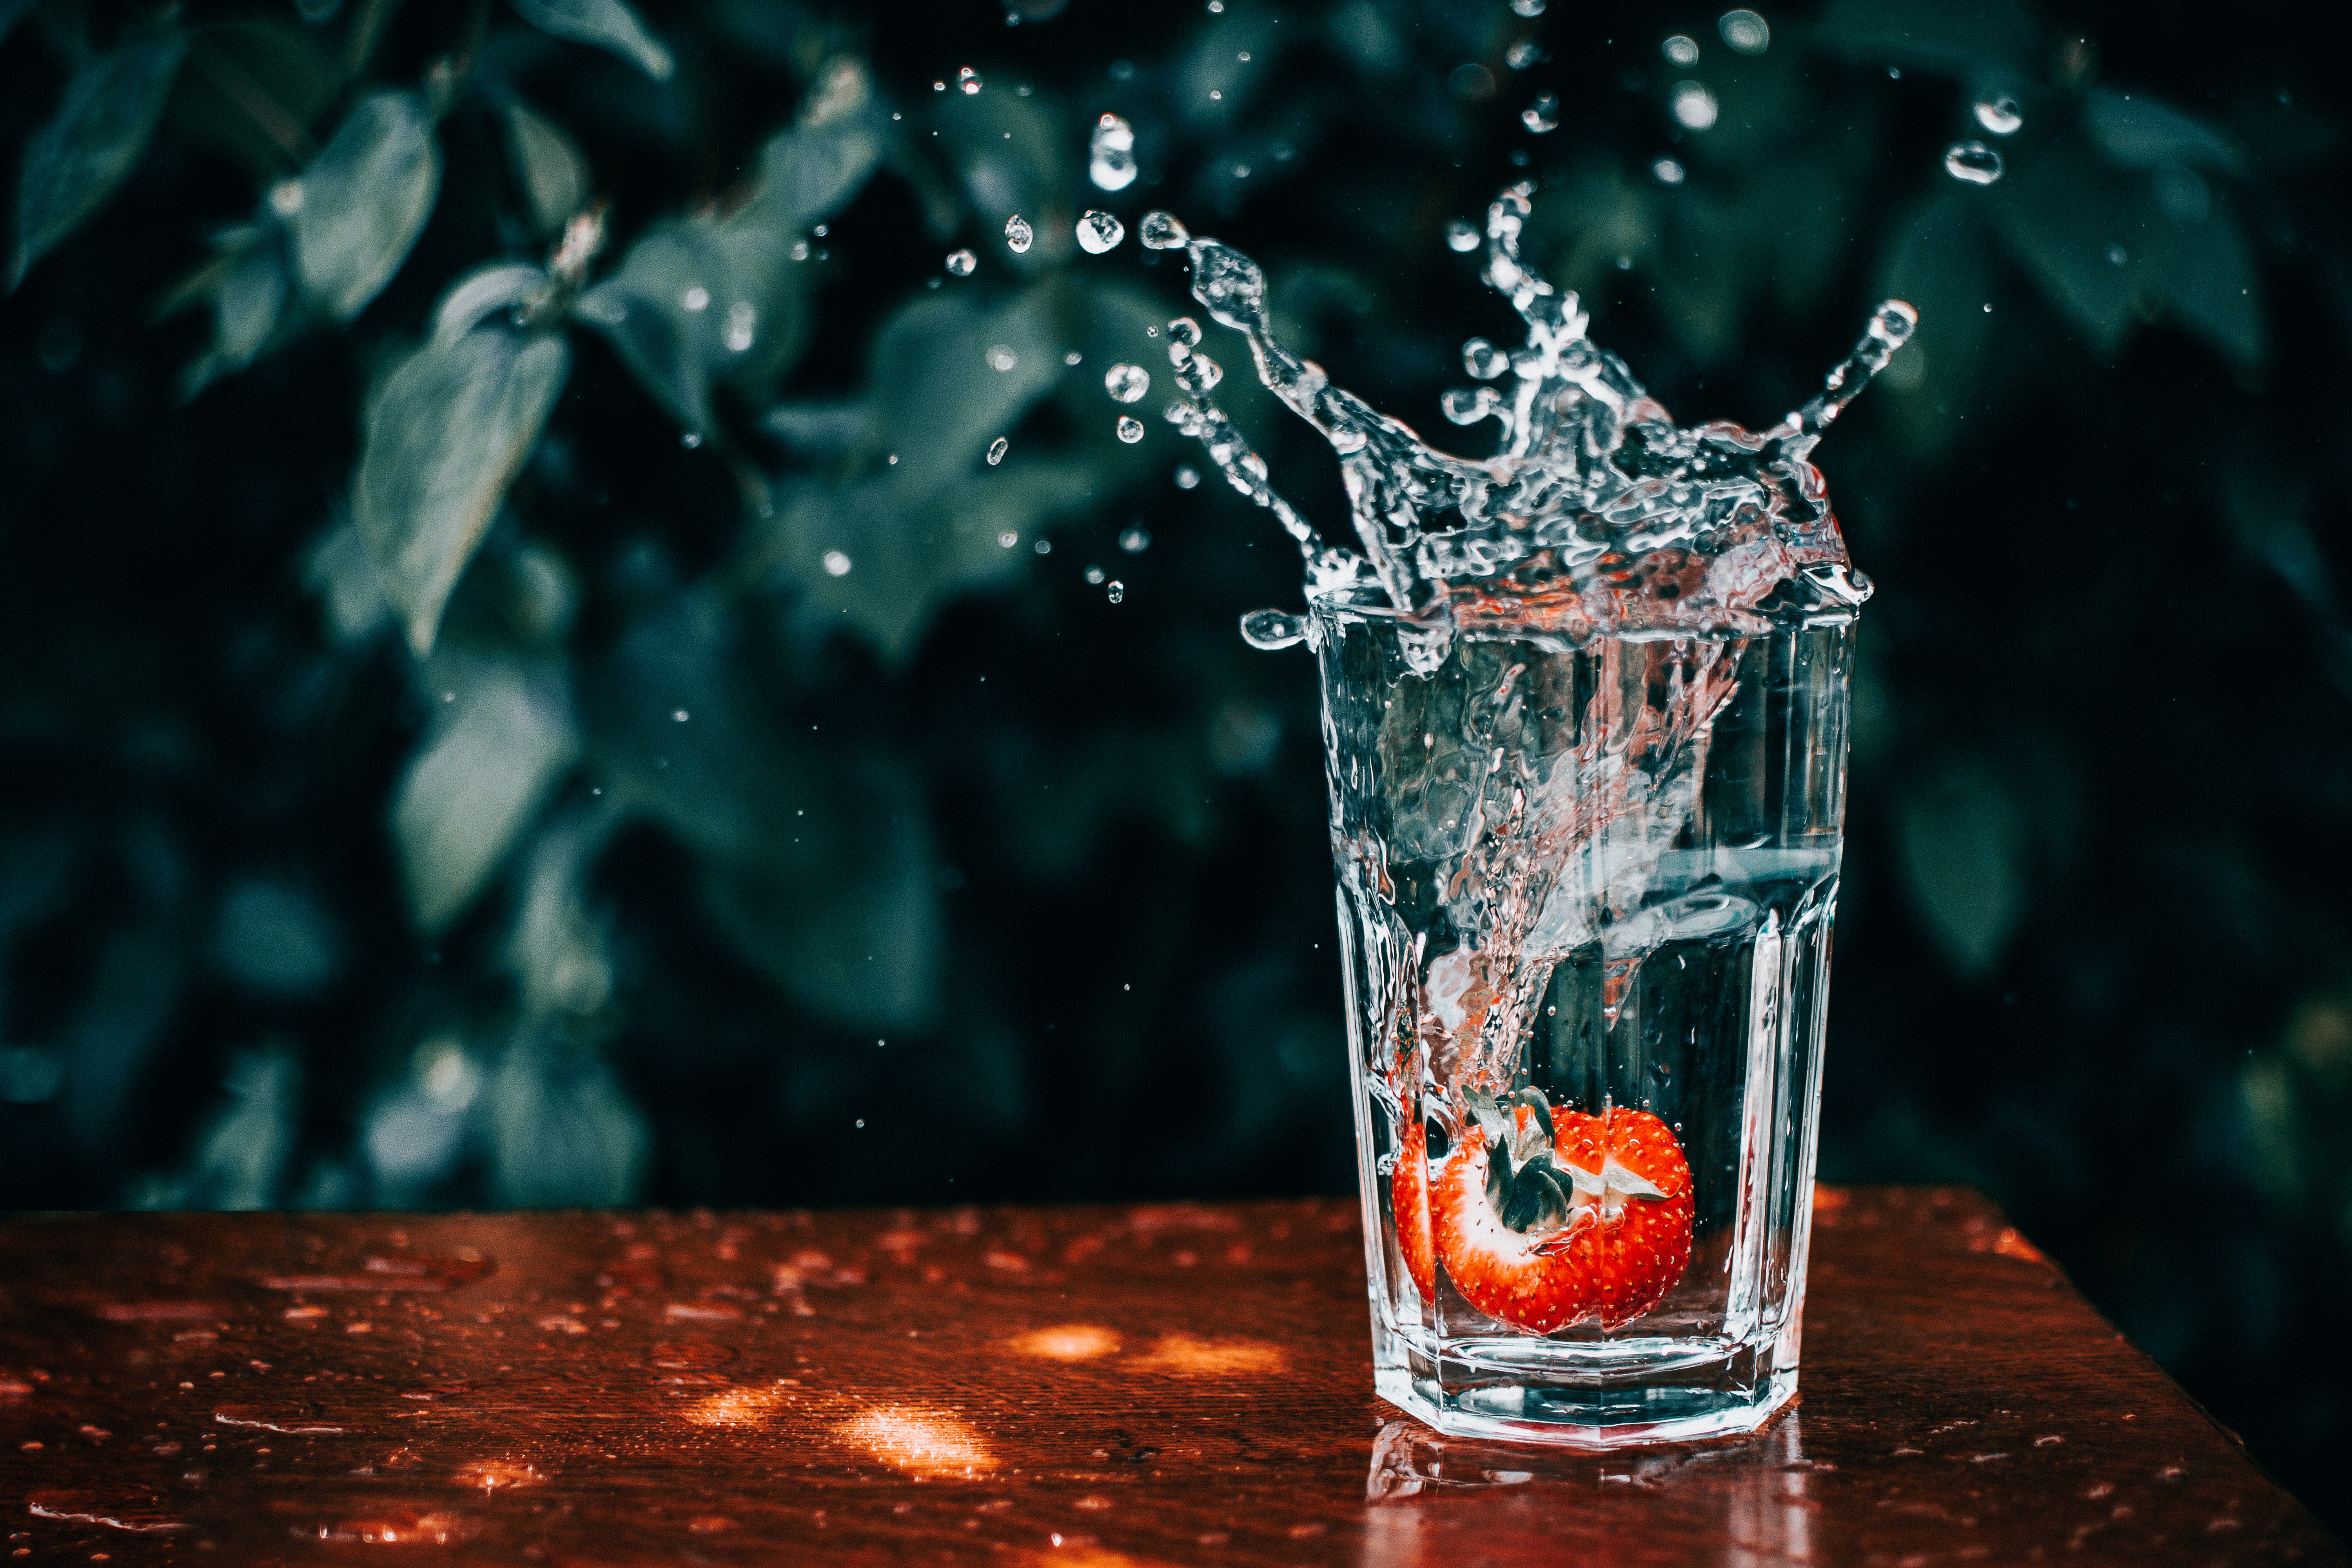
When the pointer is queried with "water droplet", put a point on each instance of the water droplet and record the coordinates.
(836, 565)
(1666, 172)
(696, 299)
(1018, 233)
(1098, 231)
(1529, 8)
(1695, 108)
(689, 439)
(1161, 231)
(1187, 477)
(1745, 31)
(1271, 630)
(1484, 360)
(1135, 541)
(1131, 429)
(1115, 592)
(2118, 256)
(1461, 235)
(1110, 154)
(996, 451)
(1682, 49)
(1186, 330)
(741, 317)
(1999, 115)
(1973, 161)
(1542, 115)
(1468, 405)
(1001, 357)
(962, 262)
(1043, 547)
(1072, 357)
(1008, 539)
(1522, 54)
(679, 715)
(1094, 576)
(968, 79)
(1230, 284)
(1126, 382)
(1472, 83)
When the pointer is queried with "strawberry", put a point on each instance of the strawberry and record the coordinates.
(1409, 1195)
(1544, 1218)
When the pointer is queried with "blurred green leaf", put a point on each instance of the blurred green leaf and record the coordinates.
(13, 12)
(76, 160)
(245, 284)
(2210, 279)
(359, 207)
(548, 163)
(1955, 38)
(501, 744)
(1962, 846)
(557, 948)
(2140, 132)
(340, 570)
(563, 1130)
(608, 24)
(2083, 234)
(444, 439)
(1941, 262)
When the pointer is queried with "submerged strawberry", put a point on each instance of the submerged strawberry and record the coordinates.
(1543, 1218)
(1409, 1193)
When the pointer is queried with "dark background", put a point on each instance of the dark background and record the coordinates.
(684, 871)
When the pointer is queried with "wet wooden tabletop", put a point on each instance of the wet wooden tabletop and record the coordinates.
(1079, 1386)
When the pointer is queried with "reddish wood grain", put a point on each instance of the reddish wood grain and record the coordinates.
(1084, 1386)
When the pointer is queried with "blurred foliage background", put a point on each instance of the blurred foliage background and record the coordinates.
(519, 685)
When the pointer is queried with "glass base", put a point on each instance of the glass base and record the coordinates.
(1525, 1390)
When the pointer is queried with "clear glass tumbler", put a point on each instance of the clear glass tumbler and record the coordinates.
(1585, 900)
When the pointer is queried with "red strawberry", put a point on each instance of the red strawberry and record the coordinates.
(1543, 1218)
(1409, 1195)
(1628, 1167)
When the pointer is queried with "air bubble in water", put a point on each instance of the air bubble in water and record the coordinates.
(1522, 54)
(962, 262)
(1126, 382)
(997, 450)
(1460, 235)
(1115, 591)
(1694, 107)
(1018, 233)
(1161, 231)
(1131, 429)
(1972, 162)
(1542, 115)
(1745, 31)
(1110, 154)
(1271, 630)
(1135, 541)
(1098, 231)
(1999, 115)
(1187, 477)
(968, 79)
(1484, 360)
(1682, 49)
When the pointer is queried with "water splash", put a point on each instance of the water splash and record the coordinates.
(1018, 234)
(1972, 162)
(1099, 231)
(1110, 154)
(1597, 515)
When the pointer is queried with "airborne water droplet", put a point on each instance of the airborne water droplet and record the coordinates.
(1522, 54)
(968, 79)
(1999, 115)
(962, 262)
(1269, 630)
(1187, 477)
(1110, 154)
(1529, 8)
(1161, 231)
(1745, 31)
(1131, 429)
(1682, 49)
(1018, 233)
(1694, 107)
(1460, 235)
(1542, 115)
(1098, 231)
(996, 451)
(1972, 162)
(1126, 382)
(1135, 541)
(1115, 592)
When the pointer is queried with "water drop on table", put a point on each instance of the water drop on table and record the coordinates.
(1018, 233)
(1484, 360)
(1542, 115)
(1745, 31)
(997, 450)
(1272, 629)
(962, 262)
(1126, 382)
(1460, 235)
(1161, 231)
(1972, 162)
(1999, 115)
(1131, 429)
(1098, 231)
(1115, 592)
(968, 79)
(1110, 154)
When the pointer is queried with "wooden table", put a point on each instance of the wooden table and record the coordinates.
(1088, 1387)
